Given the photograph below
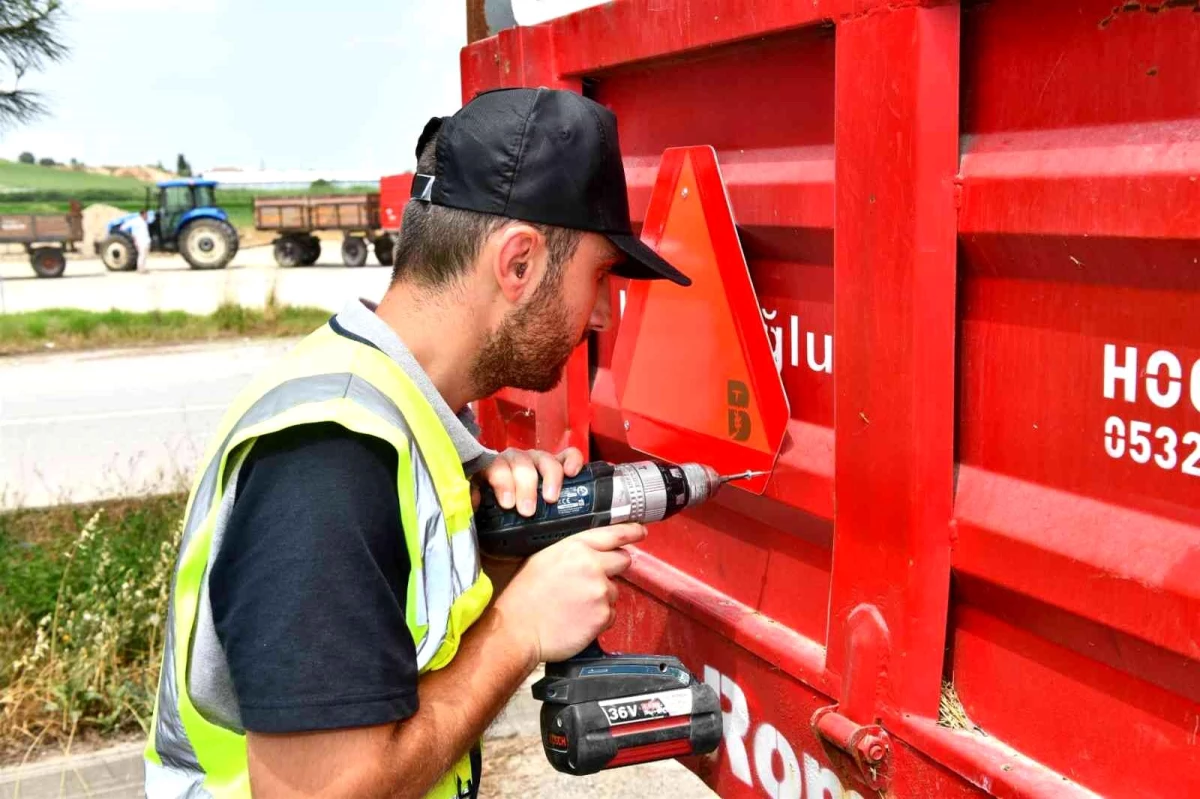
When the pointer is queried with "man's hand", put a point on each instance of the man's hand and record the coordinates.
(513, 476)
(563, 597)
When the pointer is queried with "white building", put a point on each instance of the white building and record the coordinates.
(269, 179)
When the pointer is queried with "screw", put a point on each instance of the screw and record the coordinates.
(872, 748)
(627, 427)
(685, 192)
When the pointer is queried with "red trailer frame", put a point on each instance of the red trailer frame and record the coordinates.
(976, 567)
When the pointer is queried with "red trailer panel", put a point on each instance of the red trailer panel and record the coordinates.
(394, 193)
(976, 566)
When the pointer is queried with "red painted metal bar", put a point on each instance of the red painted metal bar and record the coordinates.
(738, 622)
(630, 31)
(896, 117)
(986, 762)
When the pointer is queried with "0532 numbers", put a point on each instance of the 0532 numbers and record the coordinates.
(1143, 443)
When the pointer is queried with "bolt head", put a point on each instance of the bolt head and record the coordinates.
(872, 748)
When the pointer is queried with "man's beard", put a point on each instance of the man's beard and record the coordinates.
(530, 348)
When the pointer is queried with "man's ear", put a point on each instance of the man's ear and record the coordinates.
(514, 263)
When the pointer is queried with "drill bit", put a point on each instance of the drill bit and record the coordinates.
(729, 478)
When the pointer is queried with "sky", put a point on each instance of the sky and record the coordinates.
(281, 84)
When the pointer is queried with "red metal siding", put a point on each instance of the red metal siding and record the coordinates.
(1080, 220)
(394, 191)
(1008, 264)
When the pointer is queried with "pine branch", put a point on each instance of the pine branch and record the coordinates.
(28, 33)
(19, 107)
(28, 41)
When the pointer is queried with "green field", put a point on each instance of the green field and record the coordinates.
(22, 178)
(28, 188)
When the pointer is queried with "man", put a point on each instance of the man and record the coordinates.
(139, 230)
(331, 631)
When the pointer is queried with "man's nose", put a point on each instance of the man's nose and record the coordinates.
(602, 310)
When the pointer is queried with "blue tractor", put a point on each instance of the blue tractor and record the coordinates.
(186, 219)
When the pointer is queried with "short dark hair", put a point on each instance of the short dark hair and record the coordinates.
(438, 244)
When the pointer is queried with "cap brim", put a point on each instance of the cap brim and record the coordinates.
(644, 263)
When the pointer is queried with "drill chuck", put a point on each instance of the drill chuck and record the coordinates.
(645, 492)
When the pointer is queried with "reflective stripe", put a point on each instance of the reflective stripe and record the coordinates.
(466, 560)
(436, 569)
(209, 682)
(163, 781)
(170, 739)
(443, 577)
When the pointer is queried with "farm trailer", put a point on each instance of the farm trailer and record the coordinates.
(46, 237)
(972, 240)
(373, 217)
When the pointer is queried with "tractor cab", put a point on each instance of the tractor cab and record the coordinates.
(176, 202)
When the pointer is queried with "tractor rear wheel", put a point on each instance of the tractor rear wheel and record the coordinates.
(118, 253)
(312, 250)
(48, 261)
(384, 249)
(208, 244)
(354, 251)
(290, 251)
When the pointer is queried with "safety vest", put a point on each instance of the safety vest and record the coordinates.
(197, 746)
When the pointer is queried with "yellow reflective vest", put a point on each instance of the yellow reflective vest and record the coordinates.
(197, 746)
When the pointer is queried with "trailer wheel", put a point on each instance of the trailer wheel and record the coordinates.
(312, 250)
(289, 251)
(354, 251)
(48, 261)
(384, 249)
(118, 253)
(208, 244)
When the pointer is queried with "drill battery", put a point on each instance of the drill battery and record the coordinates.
(617, 710)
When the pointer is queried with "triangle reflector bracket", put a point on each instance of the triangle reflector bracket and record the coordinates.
(693, 367)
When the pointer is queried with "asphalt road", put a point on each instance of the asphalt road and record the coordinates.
(170, 285)
(94, 425)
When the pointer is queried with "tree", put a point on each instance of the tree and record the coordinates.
(319, 186)
(182, 167)
(28, 41)
(26, 158)
(47, 162)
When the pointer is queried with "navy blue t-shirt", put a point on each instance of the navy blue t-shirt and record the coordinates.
(308, 589)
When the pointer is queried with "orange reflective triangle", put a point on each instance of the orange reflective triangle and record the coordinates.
(693, 366)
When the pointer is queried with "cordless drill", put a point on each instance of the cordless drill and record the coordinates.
(603, 710)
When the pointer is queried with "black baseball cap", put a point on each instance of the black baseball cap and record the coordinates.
(549, 156)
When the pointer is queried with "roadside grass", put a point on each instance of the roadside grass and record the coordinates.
(73, 329)
(83, 599)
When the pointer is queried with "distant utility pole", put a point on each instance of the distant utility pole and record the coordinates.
(28, 41)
